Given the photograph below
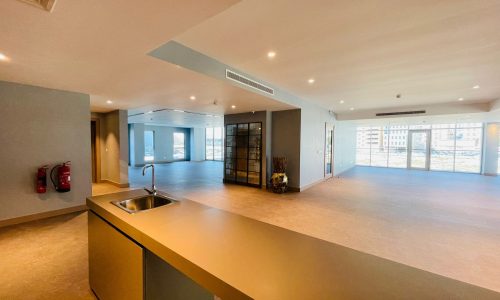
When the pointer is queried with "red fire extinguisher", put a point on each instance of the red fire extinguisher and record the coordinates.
(41, 180)
(63, 182)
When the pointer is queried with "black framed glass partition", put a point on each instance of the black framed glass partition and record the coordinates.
(243, 155)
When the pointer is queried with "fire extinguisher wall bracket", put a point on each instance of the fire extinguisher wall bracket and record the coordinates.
(41, 180)
(62, 182)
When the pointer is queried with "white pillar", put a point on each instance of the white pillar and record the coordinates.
(490, 161)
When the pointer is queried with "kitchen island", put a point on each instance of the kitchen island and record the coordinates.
(235, 257)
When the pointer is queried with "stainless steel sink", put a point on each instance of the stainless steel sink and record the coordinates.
(142, 203)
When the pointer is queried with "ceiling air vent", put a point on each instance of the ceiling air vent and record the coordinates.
(399, 113)
(47, 5)
(248, 82)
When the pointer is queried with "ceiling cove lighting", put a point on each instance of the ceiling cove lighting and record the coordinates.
(173, 110)
(311, 80)
(3, 57)
(109, 102)
(476, 87)
(271, 54)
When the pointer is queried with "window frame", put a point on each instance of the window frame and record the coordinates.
(392, 141)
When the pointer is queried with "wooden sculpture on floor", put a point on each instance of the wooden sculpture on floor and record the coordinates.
(279, 180)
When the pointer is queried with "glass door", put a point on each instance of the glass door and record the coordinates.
(419, 149)
(328, 150)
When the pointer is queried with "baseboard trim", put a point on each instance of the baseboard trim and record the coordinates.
(42, 215)
(346, 170)
(490, 174)
(120, 185)
(310, 185)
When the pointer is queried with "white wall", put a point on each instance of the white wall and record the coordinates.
(136, 144)
(164, 143)
(344, 148)
(197, 144)
(312, 144)
(490, 157)
(42, 126)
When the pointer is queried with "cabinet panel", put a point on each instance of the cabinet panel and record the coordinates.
(115, 262)
(166, 282)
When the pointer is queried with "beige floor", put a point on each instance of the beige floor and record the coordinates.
(441, 222)
(45, 259)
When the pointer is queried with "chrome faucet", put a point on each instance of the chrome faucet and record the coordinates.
(151, 191)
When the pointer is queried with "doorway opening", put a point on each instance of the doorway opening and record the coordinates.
(95, 149)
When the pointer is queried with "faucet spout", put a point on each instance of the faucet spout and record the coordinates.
(153, 190)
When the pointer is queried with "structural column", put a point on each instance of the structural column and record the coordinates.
(490, 161)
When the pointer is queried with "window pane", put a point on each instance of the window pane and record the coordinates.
(454, 147)
(398, 157)
(209, 143)
(363, 139)
(469, 138)
(468, 161)
(218, 143)
(149, 145)
(443, 149)
(379, 157)
(363, 157)
(179, 146)
(379, 150)
(420, 126)
(442, 160)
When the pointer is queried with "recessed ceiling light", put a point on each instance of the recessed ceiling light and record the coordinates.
(192, 97)
(109, 102)
(311, 80)
(476, 87)
(460, 99)
(3, 57)
(352, 108)
(342, 102)
(271, 54)
(233, 106)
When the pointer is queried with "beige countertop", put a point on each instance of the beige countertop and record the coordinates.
(240, 258)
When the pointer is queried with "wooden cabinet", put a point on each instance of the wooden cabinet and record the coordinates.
(115, 262)
(243, 155)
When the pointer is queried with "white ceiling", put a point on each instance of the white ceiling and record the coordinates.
(100, 48)
(176, 118)
(362, 52)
